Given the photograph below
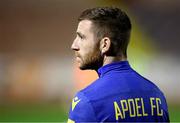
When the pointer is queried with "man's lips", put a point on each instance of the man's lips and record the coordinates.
(77, 56)
(78, 59)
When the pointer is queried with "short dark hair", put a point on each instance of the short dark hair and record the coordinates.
(110, 22)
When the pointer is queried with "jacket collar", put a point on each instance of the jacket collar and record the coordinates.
(122, 65)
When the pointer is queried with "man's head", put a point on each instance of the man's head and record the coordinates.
(101, 32)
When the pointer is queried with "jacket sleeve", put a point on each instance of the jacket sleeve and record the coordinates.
(81, 110)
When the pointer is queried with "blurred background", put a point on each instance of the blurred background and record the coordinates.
(38, 75)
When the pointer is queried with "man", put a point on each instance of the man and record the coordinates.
(120, 93)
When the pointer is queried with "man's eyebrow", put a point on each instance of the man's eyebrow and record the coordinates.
(79, 34)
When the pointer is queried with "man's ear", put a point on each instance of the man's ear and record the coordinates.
(105, 44)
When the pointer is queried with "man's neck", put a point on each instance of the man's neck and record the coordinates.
(111, 59)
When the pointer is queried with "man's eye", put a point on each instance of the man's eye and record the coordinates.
(81, 37)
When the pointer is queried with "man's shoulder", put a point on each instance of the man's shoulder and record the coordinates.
(87, 94)
(94, 90)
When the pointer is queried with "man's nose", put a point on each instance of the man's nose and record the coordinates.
(74, 46)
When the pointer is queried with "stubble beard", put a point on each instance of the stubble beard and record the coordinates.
(92, 61)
